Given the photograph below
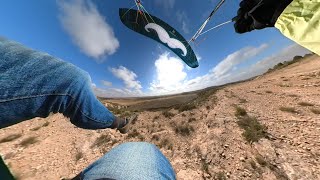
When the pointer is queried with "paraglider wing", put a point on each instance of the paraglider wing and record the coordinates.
(154, 28)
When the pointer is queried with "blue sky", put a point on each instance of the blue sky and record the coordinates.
(90, 35)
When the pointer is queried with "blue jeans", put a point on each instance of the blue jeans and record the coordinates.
(130, 161)
(34, 84)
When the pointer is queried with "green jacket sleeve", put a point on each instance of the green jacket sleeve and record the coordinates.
(300, 22)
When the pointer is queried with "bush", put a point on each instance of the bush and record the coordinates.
(184, 129)
(254, 131)
(253, 164)
(315, 111)
(288, 109)
(186, 107)
(166, 143)
(168, 114)
(261, 161)
(221, 176)
(240, 111)
(192, 120)
(79, 155)
(305, 104)
(11, 137)
(101, 140)
(28, 141)
(133, 134)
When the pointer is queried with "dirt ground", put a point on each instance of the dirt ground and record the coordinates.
(202, 139)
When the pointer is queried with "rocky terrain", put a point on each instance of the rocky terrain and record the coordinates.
(265, 128)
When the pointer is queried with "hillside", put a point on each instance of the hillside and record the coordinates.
(264, 128)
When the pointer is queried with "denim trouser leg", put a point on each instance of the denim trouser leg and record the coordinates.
(33, 84)
(131, 161)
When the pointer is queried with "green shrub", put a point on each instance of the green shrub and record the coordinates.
(240, 111)
(253, 130)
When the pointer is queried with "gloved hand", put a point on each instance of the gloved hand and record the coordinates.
(258, 14)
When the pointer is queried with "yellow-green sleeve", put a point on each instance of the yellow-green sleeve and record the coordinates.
(300, 22)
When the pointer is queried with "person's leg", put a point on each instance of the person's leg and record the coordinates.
(34, 84)
(130, 161)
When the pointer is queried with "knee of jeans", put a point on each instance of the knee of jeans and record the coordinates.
(79, 79)
(138, 146)
(81, 74)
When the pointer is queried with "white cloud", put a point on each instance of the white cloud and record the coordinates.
(87, 28)
(166, 4)
(128, 77)
(169, 74)
(114, 92)
(184, 21)
(106, 83)
(286, 54)
(234, 74)
(236, 58)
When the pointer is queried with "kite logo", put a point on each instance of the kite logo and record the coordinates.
(165, 38)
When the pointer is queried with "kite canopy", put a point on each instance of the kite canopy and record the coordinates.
(154, 28)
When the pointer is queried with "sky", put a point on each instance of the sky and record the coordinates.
(122, 63)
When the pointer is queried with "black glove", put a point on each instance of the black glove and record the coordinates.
(258, 14)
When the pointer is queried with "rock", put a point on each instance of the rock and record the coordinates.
(242, 159)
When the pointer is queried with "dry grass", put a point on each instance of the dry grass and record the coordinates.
(221, 176)
(305, 104)
(166, 143)
(101, 140)
(156, 118)
(261, 161)
(28, 141)
(186, 107)
(45, 124)
(79, 155)
(315, 111)
(155, 137)
(168, 114)
(253, 130)
(184, 129)
(253, 164)
(240, 111)
(243, 101)
(192, 119)
(288, 109)
(293, 95)
(134, 133)
(35, 128)
(39, 127)
(10, 138)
